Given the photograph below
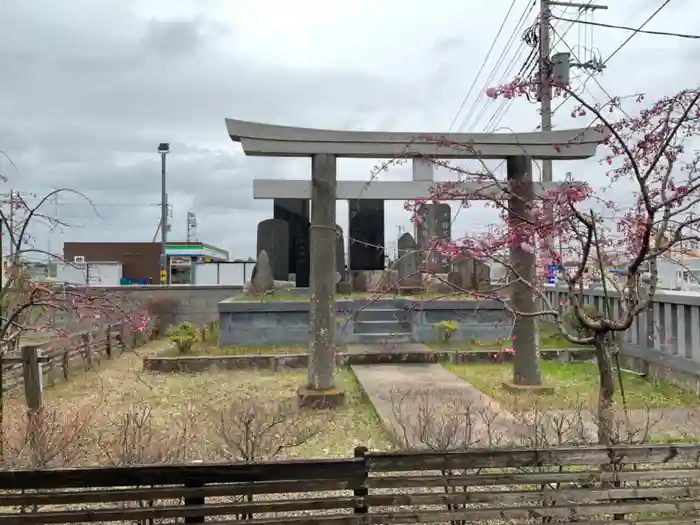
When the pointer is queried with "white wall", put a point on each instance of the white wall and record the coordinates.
(92, 274)
(222, 273)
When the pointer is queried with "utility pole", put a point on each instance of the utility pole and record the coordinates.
(546, 77)
(163, 149)
(11, 226)
(191, 227)
(546, 66)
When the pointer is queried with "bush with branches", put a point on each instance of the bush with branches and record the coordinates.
(30, 305)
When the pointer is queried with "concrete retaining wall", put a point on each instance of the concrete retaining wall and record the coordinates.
(197, 304)
(194, 364)
(478, 320)
(243, 323)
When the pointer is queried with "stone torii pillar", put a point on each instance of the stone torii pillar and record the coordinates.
(325, 146)
(526, 363)
(321, 390)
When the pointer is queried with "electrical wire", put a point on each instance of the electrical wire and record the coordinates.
(617, 50)
(573, 54)
(519, 27)
(530, 64)
(483, 64)
(525, 40)
(497, 116)
(626, 28)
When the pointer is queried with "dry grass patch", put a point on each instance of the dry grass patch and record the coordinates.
(174, 417)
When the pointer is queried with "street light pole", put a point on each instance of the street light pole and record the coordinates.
(163, 149)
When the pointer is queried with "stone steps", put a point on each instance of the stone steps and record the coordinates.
(382, 324)
(380, 314)
(384, 338)
(382, 327)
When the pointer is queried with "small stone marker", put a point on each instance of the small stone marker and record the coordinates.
(409, 277)
(262, 280)
(465, 267)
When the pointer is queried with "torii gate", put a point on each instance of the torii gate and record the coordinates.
(325, 146)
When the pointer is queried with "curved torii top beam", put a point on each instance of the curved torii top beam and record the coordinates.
(268, 140)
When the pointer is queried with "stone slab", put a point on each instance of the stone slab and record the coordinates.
(320, 399)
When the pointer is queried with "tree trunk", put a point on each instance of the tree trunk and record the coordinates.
(606, 393)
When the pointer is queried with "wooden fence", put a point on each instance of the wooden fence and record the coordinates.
(75, 353)
(655, 484)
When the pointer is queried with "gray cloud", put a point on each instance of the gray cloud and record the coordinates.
(90, 89)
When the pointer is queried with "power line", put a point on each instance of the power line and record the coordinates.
(573, 54)
(530, 63)
(519, 26)
(626, 28)
(636, 31)
(622, 45)
(483, 64)
(104, 204)
(505, 103)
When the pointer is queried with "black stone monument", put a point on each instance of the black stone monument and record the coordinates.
(295, 212)
(366, 226)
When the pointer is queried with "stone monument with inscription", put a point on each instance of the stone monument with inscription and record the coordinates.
(408, 265)
(273, 239)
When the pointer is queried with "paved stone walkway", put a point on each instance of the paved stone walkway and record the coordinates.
(426, 406)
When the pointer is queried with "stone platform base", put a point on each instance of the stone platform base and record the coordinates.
(527, 389)
(331, 398)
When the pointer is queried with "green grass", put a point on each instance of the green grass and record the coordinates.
(364, 411)
(550, 338)
(574, 384)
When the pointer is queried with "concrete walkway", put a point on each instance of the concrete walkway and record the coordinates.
(425, 406)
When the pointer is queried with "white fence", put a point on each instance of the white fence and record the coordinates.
(671, 327)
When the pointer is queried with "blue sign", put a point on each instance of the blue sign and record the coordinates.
(552, 275)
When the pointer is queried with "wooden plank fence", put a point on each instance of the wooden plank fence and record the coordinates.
(77, 353)
(657, 485)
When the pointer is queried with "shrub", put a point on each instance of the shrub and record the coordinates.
(183, 336)
(445, 330)
(162, 310)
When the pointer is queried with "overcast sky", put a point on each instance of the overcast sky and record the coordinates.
(89, 89)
